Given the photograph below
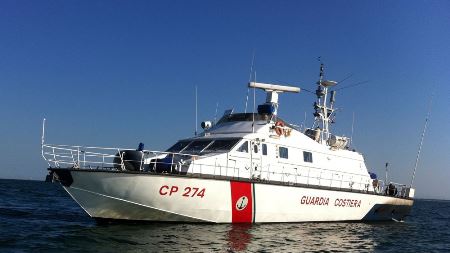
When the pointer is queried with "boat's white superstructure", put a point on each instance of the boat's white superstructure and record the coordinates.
(247, 167)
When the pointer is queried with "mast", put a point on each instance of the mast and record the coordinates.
(323, 112)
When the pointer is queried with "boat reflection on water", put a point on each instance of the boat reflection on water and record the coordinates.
(306, 237)
(239, 237)
(276, 237)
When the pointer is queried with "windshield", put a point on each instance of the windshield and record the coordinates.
(197, 146)
(222, 145)
(177, 147)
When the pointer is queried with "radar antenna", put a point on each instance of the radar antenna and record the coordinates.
(272, 94)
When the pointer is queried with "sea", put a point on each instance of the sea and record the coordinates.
(36, 216)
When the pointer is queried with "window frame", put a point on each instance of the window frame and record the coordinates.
(242, 145)
(307, 157)
(255, 149)
(284, 152)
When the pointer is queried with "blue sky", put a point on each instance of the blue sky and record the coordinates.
(115, 73)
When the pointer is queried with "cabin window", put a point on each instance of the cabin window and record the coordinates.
(307, 157)
(264, 149)
(177, 147)
(243, 147)
(197, 146)
(284, 152)
(255, 149)
(221, 145)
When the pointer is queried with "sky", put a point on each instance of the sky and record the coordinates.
(116, 73)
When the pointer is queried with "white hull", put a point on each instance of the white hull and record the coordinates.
(159, 197)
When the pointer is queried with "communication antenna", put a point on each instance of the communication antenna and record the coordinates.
(254, 106)
(353, 123)
(43, 132)
(386, 173)
(215, 115)
(304, 121)
(421, 139)
(346, 78)
(352, 85)
(196, 110)
(249, 80)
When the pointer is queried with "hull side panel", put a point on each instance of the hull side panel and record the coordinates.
(296, 204)
(165, 198)
(102, 206)
(205, 200)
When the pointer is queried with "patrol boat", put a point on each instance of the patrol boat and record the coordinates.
(246, 168)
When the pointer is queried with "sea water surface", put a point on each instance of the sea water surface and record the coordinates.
(41, 217)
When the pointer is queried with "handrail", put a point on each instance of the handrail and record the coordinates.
(80, 157)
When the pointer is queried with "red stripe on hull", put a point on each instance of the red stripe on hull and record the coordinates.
(241, 202)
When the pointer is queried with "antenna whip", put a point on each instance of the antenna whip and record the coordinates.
(353, 123)
(254, 106)
(196, 110)
(249, 80)
(421, 139)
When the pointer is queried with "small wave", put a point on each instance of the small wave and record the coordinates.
(125, 241)
(13, 212)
